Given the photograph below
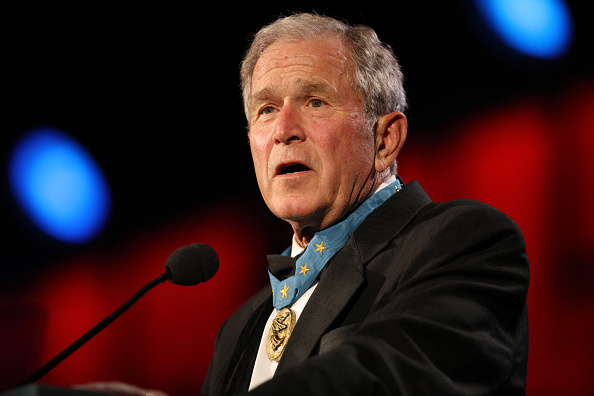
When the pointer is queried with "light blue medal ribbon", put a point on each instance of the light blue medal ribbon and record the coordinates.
(323, 246)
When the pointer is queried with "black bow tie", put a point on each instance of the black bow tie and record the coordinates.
(281, 266)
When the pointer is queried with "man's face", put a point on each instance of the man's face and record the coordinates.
(313, 156)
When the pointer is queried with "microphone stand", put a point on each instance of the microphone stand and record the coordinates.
(94, 331)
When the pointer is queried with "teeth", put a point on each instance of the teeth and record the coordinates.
(293, 169)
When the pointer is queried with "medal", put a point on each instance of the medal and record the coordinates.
(279, 333)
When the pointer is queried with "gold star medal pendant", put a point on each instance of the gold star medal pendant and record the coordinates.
(279, 333)
(284, 322)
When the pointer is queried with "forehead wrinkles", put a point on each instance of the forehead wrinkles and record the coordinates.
(316, 57)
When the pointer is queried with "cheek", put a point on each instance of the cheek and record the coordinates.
(261, 151)
(259, 157)
(362, 144)
(349, 149)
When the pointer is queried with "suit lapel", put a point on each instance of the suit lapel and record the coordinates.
(239, 371)
(344, 273)
(387, 221)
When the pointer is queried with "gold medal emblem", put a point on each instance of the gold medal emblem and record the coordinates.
(279, 333)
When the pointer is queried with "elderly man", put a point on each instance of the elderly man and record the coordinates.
(382, 292)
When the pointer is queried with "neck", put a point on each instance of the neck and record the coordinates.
(304, 234)
(303, 237)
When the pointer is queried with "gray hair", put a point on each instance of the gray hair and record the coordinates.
(377, 79)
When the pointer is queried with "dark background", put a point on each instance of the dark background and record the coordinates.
(153, 93)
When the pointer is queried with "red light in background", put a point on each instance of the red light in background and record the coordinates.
(531, 159)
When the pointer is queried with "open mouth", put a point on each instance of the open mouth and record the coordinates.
(293, 168)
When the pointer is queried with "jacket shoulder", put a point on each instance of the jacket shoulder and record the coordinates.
(469, 215)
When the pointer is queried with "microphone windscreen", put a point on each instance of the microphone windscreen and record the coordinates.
(192, 264)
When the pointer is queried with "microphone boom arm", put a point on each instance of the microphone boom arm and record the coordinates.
(95, 330)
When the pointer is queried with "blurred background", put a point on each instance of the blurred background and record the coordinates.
(123, 138)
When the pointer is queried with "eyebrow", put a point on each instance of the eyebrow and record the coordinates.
(310, 87)
(264, 94)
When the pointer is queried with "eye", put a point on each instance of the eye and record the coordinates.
(316, 103)
(268, 110)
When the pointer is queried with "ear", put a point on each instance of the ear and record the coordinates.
(389, 139)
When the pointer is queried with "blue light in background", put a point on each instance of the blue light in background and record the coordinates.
(59, 186)
(537, 28)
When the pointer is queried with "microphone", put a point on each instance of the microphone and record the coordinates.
(187, 266)
(181, 267)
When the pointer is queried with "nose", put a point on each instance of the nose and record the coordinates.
(289, 128)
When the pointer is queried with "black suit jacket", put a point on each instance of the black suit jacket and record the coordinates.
(424, 299)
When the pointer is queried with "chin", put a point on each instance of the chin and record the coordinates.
(295, 210)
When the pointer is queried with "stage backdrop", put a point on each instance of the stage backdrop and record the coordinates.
(152, 92)
(530, 158)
